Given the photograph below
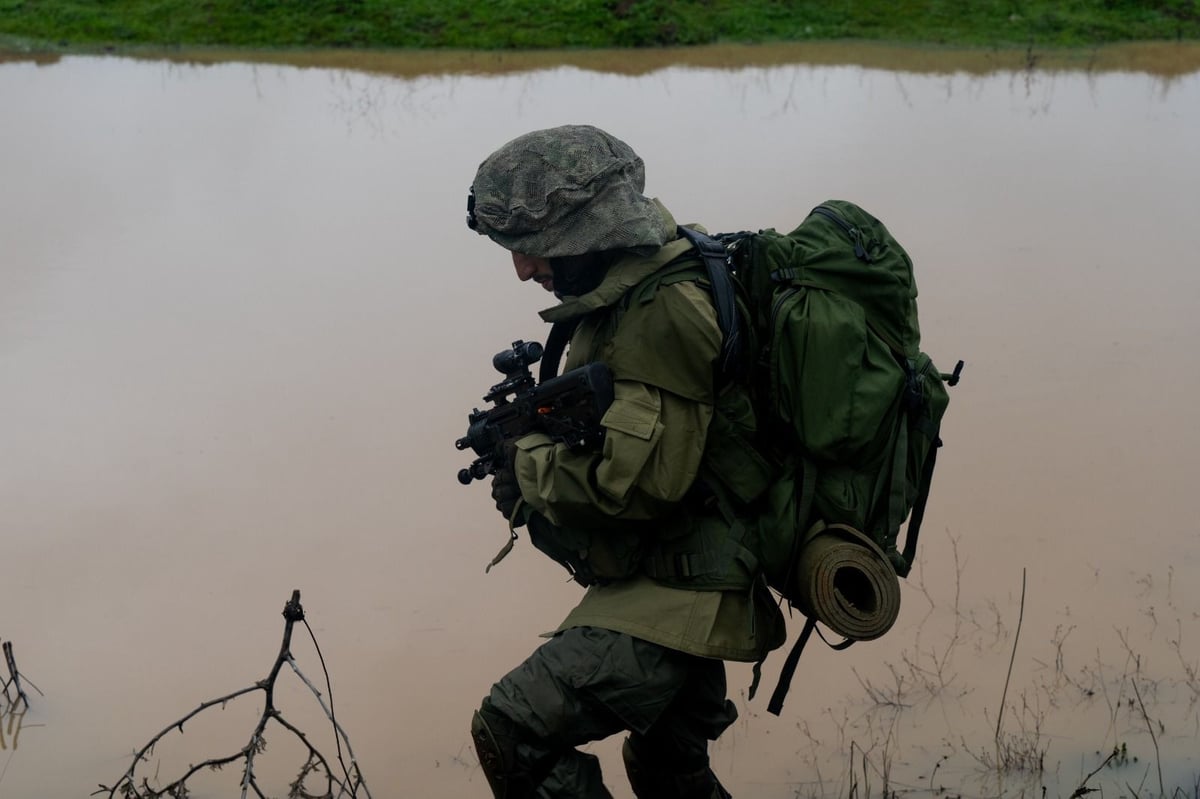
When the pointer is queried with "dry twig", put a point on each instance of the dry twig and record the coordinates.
(1012, 659)
(14, 679)
(348, 784)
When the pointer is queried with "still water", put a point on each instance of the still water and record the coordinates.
(242, 322)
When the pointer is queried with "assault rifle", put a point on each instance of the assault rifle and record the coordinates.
(568, 408)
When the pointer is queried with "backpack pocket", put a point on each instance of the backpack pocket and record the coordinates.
(831, 378)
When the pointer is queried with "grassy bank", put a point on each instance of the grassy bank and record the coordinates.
(525, 24)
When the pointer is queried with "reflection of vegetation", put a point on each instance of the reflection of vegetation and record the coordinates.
(1021, 751)
(11, 721)
(16, 702)
(315, 769)
(1166, 59)
(1103, 725)
(590, 23)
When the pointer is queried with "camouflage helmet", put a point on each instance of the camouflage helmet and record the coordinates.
(566, 191)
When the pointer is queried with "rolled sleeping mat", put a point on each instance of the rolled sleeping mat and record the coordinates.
(846, 582)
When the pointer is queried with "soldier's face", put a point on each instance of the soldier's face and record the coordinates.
(530, 267)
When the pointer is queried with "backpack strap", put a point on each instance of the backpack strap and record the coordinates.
(914, 403)
(918, 509)
(789, 668)
(717, 265)
(716, 262)
(805, 496)
(775, 706)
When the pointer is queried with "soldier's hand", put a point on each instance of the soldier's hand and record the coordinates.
(505, 489)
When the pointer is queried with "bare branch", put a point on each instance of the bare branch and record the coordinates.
(14, 678)
(131, 785)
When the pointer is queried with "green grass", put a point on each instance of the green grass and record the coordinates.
(526, 24)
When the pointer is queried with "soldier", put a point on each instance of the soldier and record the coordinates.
(649, 520)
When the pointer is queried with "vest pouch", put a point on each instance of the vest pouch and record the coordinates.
(589, 557)
(702, 552)
(734, 462)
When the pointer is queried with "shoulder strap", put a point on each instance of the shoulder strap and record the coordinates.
(556, 344)
(716, 262)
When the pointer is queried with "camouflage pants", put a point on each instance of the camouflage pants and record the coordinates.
(586, 684)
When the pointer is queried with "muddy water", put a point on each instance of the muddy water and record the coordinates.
(241, 323)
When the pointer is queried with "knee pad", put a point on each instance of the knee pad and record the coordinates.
(495, 738)
(652, 782)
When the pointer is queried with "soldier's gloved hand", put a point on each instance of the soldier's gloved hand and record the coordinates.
(505, 489)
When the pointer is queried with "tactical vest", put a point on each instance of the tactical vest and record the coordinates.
(703, 544)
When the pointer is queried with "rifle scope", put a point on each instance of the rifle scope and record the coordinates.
(522, 354)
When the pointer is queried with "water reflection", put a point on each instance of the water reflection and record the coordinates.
(1163, 59)
(12, 718)
(241, 325)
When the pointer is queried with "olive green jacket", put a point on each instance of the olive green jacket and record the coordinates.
(661, 350)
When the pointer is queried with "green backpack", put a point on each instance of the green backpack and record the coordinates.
(847, 404)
